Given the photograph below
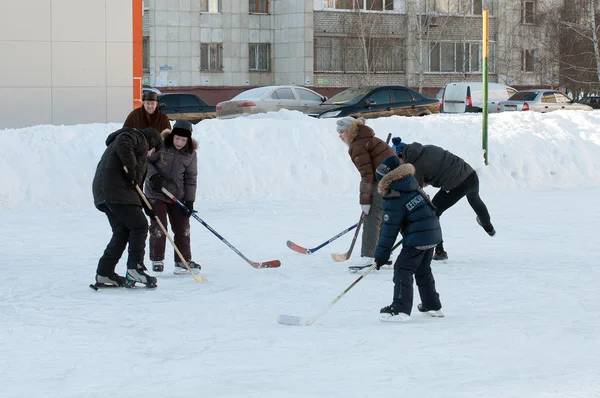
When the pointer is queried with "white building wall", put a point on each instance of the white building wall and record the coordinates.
(65, 62)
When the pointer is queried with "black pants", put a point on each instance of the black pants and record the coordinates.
(470, 188)
(129, 226)
(413, 261)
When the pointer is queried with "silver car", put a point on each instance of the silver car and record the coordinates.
(269, 99)
(540, 100)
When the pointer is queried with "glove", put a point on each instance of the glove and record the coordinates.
(131, 178)
(149, 212)
(379, 262)
(190, 205)
(365, 209)
(157, 182)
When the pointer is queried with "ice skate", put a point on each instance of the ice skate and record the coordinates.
(389, 314)
(158, 266)
(181, 269)
(432, 313)
(138, 274)
(115, 280)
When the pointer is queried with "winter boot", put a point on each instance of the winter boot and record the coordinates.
(440, 254)
(138, 274)
(390, 314)
(181, 269)
(158, 266)
(432, 313)
(488, 228)
(115, 280)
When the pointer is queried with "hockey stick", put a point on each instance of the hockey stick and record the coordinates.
(267, 264)
(299, 321)
(356, 268)
(303, 250)
(198, 278)
(346, 256)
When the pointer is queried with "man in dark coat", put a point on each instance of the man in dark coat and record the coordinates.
(115, 194)
(407, 209)
(366, 152)
(442, 169)
(148, 115)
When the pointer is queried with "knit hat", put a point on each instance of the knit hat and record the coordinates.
(150, 96)
(388, 164)
(182, 128)
(398, 145)
(344, 123)
(153, 138)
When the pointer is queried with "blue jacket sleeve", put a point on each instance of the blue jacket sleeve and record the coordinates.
(392, 225)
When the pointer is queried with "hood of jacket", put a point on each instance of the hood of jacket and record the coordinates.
(411, 152)
(400, 179)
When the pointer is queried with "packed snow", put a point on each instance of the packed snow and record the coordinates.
(521, 307)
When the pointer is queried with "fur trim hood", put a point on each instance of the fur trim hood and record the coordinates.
(397, 174)
(355, 128)
(168, 143)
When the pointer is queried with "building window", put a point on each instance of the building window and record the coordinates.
(366, 5)
(450, 57)
(211, 57)
(259, 6)
(343, 54)
(146, 54)
(528, 60)
(210, 5)
(260, 57)
(460, 7)
(528, 12)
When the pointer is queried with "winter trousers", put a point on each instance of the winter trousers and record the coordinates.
(129, 226)
(443, 200)
(180, 225)
(413, 261)
(372, 224)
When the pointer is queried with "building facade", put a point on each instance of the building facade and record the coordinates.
(68, 62)
(424, 44)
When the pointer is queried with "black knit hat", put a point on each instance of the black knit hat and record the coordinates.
(182, 128)
(153, 138)
(388, 164)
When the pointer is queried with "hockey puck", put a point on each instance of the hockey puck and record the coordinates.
(94, 287)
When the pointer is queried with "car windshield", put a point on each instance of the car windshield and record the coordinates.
(252, 93)
(349, 96)
(524, 96)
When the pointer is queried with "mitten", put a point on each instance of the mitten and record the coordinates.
(379, 262)
(365, 209)
(190, 205)
(131, 178)
(157, 182)
(149, 212)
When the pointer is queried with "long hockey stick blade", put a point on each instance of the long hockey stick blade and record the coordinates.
(297, 248)
(266, 264)
(345, 256)
(294, 320)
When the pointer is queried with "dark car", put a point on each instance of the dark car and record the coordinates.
(372, 102)
(183, 106)
(594, 102)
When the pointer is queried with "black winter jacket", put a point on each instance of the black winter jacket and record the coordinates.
(407, 209)
(125, 147)
(436, 166)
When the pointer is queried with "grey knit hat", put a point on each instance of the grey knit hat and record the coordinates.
(345, 122)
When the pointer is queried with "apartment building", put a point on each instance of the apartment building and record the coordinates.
(340, 43)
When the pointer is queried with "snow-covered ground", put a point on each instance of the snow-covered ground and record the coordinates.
(521, 308)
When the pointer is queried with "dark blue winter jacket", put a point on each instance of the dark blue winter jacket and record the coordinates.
(407, 209)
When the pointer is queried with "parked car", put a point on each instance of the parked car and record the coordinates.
(594, 102)
(372, 102)
(184, 106)
(540, 100)
(269, 99)
(464, 97)
(146, 89)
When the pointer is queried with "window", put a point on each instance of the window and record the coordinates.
(306, 95)
(561, 98)
(188, 100)
(211, 57)
(381, 97)
(283, 93)
(549, 98)
(339, 54)
(462, 7)
(210, 5)
(457, 57)
(528, 60)
(260, 57)
(259, 6)
(146, 54)
(171, 101)
(402, 96)
(367, 5)
(528, 12)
